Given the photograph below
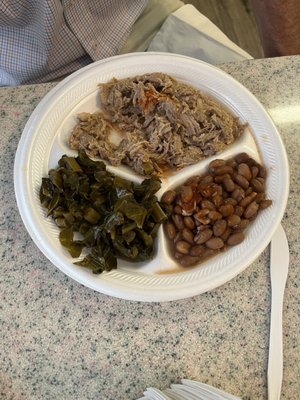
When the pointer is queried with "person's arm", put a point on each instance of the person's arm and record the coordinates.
(279, 26)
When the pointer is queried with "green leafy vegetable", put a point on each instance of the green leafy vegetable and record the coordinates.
(106, 215)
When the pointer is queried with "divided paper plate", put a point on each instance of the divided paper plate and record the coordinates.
(44, 141)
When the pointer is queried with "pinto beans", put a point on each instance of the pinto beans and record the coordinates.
(214, 215)
(187, 194)
(233, 220)
(264, 204)
(187, 235)
(208, 204)
(197, 250)
(247, 200)
(189, 222)
(216, 163)
(169, 196)
(251, 210)
(215, 243)
(219, 227)
(203, 236)
(178, 221)
(210, 213)
(183, 247)
(244, 170)
(257, 185)
(226, 210)
(238, 194)
(170, 230)
(241, 181)
(189, 261)
(224, 169)
(228, 184)
(254, 171)
(235, 238)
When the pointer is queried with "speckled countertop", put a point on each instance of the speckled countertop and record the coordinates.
(60, 340)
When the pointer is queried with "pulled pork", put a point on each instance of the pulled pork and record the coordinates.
(161, 124)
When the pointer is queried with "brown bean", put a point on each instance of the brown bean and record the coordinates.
(251, 210)
(238, 210)
(217, 190)
(262, 171)
(226, 210)
(231, 201)
(186, 194)
(242, 225)
(241, 181)
(197, 250)
(169, 196)
(201, 227)
(187, 235)
(247, 200)
(217, 200)
(244, 170)
(207, 179)
(208, 253)
(225, 195)
(189, 222)
(257, 185)
(224, 169)
(188, 261)
(238, 194)
(216, 163)
(219, 178)
(178, 221)
(265, 204)
(209, 205)
(214, 215)
(205, 190)
(251, 162)
(248, 191)
(183, 247)
(193, 181)
(235, 238)
(226, 234)
(188, 208)
(170, 230)
(202, 216)
(215, 243)
(177, 237)
(233, 220)
(219, 227)
(203, 236)
(228, 184)
(260, 197)
(177, 209)
(241, 158)
(232, 163)
(254, 171)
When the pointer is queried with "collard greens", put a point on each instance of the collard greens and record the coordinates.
(103, 214)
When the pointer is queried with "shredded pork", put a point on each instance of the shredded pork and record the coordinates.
(161, 124)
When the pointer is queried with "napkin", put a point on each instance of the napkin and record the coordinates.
(188, 32)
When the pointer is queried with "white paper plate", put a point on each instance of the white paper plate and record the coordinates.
(44, 141)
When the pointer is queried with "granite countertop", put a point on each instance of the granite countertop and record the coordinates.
(60, 339)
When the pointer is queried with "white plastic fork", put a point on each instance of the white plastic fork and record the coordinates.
(278, 272)
(188, 390)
